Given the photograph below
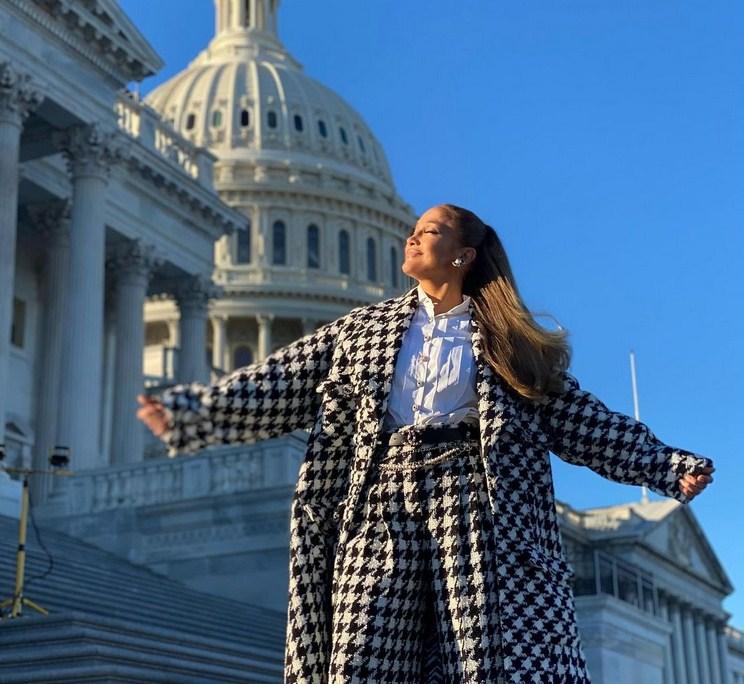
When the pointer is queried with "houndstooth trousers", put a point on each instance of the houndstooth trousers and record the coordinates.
(415, 596)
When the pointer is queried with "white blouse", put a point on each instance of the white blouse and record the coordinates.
(435, 372)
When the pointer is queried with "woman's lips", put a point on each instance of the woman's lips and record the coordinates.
(412, 252)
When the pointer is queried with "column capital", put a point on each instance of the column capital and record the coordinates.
(52, 222)
(133, 262)
(91, 150)
(265, 317)
(19, 95)
(195, 291)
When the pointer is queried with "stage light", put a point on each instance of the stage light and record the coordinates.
(59, 456)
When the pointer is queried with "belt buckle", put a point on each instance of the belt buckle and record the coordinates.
(414, 438)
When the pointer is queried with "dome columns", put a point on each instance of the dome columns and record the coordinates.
(219, 341)
(264, 334)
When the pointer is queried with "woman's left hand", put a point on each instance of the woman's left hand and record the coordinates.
(693, 483)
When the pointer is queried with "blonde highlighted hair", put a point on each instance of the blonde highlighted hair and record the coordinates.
(528, 357)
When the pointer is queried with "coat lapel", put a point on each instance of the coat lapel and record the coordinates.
(494, 406)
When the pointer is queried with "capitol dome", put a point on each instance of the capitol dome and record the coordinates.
(246, 94)
(326, 228)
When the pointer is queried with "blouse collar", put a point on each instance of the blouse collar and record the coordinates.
(426, 302)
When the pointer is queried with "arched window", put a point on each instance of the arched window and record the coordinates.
(371, 260)
(243, 255)
(242, 356)
(344, 255)
(245, 118)
(361, 143)
(190, 122)
(298, 122)
(342, 132)
(322, 128)
(313, 246)
(271, 119)
(394, 266)
(216, 118)
(280, 243)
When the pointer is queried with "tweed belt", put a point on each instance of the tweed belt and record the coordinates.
(430, 435)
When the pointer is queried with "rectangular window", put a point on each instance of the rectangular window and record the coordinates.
(18, 327)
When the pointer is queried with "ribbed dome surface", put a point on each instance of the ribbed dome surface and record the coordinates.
(245, 97)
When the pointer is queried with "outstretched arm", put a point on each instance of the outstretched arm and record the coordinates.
(581, 429)
(262, 400)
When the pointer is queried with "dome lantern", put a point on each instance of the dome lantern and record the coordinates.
(246, 15)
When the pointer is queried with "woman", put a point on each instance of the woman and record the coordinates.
(424, 538)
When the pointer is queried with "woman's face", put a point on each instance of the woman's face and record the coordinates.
(431, 247)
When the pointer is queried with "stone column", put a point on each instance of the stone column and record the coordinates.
(309, 326)
(668, 651)
(219, 328)
(17, 99)
(264, 335)
(723, 657)
(678, 649)
(691, 655)
(715, 663)
(132, 264)
(702, 649)
(109, 355)
(90, 153)
(53, 224)
(192, 295)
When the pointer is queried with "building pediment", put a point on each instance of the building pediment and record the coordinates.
(667, 527)
(100, 31)
(679, 537)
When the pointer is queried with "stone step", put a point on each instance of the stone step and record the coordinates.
(114, 621)
(73, 647)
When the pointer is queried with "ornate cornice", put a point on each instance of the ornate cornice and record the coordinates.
(100, 32)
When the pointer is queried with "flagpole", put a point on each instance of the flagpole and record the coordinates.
(636, 411)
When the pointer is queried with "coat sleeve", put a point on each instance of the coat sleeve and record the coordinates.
(259, 401)
(580, 429)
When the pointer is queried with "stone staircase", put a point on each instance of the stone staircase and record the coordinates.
(113, 621)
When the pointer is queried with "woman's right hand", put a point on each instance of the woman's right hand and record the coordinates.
(152, 413)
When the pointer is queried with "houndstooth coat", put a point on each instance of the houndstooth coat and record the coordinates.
(335, 383)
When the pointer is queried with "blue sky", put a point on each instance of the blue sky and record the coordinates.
(605, 143)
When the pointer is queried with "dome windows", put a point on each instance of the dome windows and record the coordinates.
(313, 246)
(344, 252)
(279, 235)
(371, 260)
(245, 118)
(190, 122)
(216, 118)
(322, 128)
(242, 356)
(243, 246)
(298, 122)
(361, 143)
(342, 133)
(271, 120)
